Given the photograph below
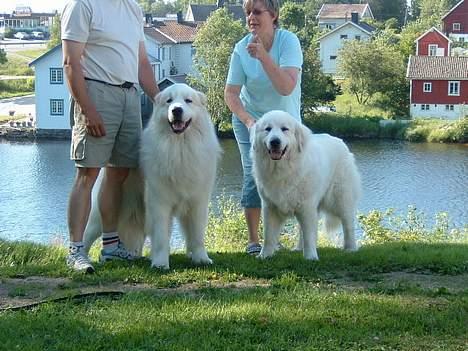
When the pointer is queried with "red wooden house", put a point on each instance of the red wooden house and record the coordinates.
(433, 43)
(455, 22)
(438, 86)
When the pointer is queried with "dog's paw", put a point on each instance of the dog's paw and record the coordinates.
(265, 253)
(311, 255)
(203, 261)
(351, 248)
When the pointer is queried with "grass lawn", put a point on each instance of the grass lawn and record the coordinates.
(391, 296)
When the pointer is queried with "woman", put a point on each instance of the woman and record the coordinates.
(264, 75)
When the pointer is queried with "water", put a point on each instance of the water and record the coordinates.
(35, 180)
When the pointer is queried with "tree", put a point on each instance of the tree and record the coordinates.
(412, 31)
(370, 67)
(214, 44)
(3, 57)
(292, 16)
(55, 33)
(317, 88)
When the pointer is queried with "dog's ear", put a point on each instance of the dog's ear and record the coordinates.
(300, 134)
(202, 97)
(157, 98)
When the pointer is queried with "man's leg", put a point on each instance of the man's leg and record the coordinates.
(110, 199)
(79, 206)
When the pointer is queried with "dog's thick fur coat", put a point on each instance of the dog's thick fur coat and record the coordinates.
(178, 160)
(302, 174)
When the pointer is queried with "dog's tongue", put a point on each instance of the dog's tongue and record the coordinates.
(276, 154)
(178, 125)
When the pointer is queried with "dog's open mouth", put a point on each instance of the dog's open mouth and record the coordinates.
(179, 127)
(276, 153)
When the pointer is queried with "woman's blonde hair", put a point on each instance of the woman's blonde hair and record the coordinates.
(271, 5)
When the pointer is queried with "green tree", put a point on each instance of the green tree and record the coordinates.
(292, 16)
(214, 44)
(55, 34)
(3, 57)
(317, 88)
(370, 67)
(412, 31)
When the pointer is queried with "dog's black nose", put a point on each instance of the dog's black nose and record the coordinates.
(275, 142)
(177, 112)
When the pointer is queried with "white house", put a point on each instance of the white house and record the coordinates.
(332, 42)
(331, 16)
(52, 96)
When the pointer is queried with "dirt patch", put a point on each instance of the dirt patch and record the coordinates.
(407, 280)
(17, 293)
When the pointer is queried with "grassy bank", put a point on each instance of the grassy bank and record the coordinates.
(403, 290)
(16, 87)
(349, 126)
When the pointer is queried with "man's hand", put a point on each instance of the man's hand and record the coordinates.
(94, 124)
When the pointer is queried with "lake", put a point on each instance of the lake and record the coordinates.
(36, 177)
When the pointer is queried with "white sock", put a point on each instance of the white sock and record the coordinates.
(110, 241)
(75, 247)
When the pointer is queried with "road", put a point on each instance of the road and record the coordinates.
(24, 105)
(11, 45)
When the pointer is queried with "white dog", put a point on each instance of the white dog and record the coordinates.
(302, 174)
(178, 159)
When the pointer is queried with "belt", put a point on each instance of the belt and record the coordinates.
(126, 85)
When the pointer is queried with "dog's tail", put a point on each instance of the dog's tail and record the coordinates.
(332, 228)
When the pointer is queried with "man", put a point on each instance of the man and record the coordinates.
(104, 56)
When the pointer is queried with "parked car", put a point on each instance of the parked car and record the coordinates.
(38, 35)
(324, 108)
(22, 35)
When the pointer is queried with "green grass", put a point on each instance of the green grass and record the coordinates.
(16, 87)
(346, 104)
(405, 289)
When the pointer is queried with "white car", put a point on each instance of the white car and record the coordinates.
(38, 35)
(22, 35)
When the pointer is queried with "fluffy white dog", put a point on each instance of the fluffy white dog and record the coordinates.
(178, 159)
(302, 174)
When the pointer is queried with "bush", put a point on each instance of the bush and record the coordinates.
(381, 227)
(15, 87)
(438, 131)
(343, 126)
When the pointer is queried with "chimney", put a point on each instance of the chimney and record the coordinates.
(219, 3)
(148, 19)
(179, 17)
(355, 17)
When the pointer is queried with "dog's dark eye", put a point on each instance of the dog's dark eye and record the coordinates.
(169, 100)
(284, 129)
(268, 129)
(188, 101)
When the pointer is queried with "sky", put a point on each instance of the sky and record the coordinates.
(6, 6)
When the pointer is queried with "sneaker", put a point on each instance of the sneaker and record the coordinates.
(79, 262)
(119, 253)
(253, 248)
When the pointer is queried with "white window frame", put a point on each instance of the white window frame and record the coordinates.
(432, 50)
(357, 37)
(427, 87)
(56, 75)
(56, 107)
(449, 107)
(452, 91)
(343, 36)
(425, 107)
(456, 26)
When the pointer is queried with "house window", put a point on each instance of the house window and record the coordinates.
(56, 107)
(461, 39)
(432, 50)
(163, 73)
(449, 107)
(454, 88)
(427, 87)
(357, 37)
(343, 36)
(193, 51)
(329, 25)
(424, 107)
(456, 26)
(163, 54)
(56, 75)
(332, 57)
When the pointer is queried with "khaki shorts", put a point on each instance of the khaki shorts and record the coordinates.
(121, 112)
